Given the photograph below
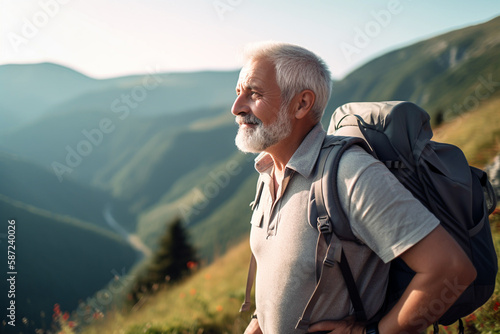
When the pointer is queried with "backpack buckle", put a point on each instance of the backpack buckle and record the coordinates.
(324, 225)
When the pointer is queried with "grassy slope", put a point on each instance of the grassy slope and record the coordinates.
(477, 133)
(213, 295)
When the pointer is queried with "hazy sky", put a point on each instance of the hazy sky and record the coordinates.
(106, 38)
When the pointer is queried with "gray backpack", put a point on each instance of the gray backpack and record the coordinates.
(437, 174)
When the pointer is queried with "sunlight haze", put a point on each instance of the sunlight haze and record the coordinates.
(115, 38)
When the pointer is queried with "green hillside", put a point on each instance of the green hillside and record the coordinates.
(228, 224)
(449, 74)
(54, 255)
(207, 198)
(29, 183)
(477, 133)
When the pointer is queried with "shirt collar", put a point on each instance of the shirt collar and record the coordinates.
(304, 158)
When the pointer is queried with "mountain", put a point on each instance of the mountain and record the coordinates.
(155, 94)
(447, 75)
(55, 89)
(29, 90)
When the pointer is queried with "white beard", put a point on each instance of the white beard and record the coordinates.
(256, 140)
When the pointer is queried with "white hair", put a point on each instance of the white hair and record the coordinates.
(297, 69)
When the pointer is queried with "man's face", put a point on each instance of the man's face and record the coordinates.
(257, 108)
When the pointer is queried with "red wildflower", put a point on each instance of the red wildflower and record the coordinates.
(57, 309)
(71, 324)
(66, 316)
(497, 305)
(191, 265)
(471, 317)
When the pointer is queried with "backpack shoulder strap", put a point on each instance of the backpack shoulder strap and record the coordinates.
(252, 269)
(331, 217)
(333, 226)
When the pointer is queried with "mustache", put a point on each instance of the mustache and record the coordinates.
(248, 119)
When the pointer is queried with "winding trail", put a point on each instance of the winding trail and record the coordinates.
(134, 241)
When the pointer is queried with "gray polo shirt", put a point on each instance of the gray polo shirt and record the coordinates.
(383, 215)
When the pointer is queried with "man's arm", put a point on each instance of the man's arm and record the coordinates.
(443, 272)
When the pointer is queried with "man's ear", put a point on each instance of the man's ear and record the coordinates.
(304, 101)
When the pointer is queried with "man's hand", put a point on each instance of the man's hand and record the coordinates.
(346, 326)
(253, 327)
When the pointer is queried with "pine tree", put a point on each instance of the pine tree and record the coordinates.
(174, 254)
(170, 263)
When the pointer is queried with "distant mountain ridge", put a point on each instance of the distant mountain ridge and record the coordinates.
(31, 91)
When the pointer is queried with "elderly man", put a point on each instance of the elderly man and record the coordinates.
(282, 92)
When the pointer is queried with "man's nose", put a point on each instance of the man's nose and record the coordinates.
(239, 106)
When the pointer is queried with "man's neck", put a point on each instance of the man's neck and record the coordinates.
(283, 151)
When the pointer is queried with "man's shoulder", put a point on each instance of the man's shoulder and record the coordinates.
(356, 160)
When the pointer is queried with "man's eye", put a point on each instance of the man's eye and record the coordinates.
(255, 94)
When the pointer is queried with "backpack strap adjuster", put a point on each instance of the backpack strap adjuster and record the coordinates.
(395, 164)
(329, 262)
(324, 225)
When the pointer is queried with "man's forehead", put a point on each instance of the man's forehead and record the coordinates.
(244, 73)
(254, 72)
(249, 81)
